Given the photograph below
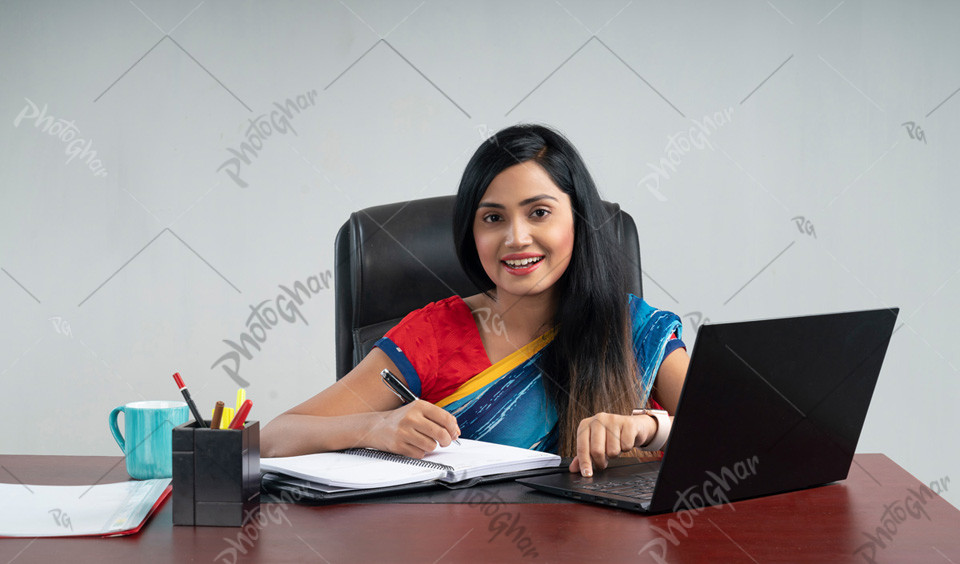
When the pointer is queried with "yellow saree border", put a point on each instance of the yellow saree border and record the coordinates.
(501, 368)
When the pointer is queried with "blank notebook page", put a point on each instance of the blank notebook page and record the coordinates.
(350, 470)
(476, 458)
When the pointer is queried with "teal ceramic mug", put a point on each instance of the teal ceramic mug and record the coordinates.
(146, 441)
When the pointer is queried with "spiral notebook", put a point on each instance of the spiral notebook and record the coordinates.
(364, 468)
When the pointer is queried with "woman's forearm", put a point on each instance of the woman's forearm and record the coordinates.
(292, 434)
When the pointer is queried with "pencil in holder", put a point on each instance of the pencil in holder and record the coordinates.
(216, 475)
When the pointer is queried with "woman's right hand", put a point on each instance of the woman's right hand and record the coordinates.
(415, 429)
(359, 410)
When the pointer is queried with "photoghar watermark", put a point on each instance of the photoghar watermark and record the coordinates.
(804, 225)
(697, 319)
(264, 317)
(66, 131)
(61, 518)
(692, 501)
(246, 538)
(262, 128)
(896, 513)
(490, 322)
(678, 145)
(502, 522)
(61, 326)
(487, 134)
(915, 131)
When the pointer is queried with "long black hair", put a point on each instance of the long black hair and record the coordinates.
(589, 367)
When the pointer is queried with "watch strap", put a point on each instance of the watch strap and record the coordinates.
(659, 440)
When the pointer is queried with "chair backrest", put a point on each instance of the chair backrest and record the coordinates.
(395, 258)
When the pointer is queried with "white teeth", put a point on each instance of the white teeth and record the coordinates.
(522, 262)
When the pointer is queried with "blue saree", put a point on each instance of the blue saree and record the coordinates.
(507, 403)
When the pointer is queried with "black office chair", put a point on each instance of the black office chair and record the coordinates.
(396, 258)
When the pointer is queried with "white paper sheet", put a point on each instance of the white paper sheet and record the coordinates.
(55, 511)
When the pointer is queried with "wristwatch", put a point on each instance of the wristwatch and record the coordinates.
(663, 428)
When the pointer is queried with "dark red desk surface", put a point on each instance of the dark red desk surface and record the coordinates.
(825, 524)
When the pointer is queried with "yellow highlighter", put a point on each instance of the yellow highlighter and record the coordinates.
(226, 418)
(241, 397)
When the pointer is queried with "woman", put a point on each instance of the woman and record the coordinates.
(569, 354)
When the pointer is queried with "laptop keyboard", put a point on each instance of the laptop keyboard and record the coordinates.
(637, 487)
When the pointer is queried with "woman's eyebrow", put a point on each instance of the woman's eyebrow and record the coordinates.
(522, 203)
(538, 198)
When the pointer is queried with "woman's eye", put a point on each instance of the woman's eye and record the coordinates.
(541, 213)
(491, 217)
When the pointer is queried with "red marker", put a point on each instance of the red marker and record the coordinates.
(186, 396)
(241, 417)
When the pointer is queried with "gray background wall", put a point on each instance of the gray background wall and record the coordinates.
(121, 268)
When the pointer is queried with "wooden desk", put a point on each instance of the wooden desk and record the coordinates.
(826, 524)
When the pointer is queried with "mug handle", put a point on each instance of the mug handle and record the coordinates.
(113, 428)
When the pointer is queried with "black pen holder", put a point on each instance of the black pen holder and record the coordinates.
(216, 475)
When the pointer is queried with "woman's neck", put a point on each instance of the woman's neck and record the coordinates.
(528, 316)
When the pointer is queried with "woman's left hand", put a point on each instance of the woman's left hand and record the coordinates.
(606, 435)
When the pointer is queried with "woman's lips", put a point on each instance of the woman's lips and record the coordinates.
(522, 270)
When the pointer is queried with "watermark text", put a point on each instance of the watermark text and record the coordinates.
(264, 316)
(691, 502)
(262, 128)
(65, 131)
(678, 145)
(896, 513)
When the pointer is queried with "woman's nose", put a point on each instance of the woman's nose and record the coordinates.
(518, 235)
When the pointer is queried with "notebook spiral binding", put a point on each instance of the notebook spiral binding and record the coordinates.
(381, 455)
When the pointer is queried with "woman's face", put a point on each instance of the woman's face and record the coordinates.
(524, 231)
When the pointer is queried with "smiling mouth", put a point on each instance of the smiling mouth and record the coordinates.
(522, 263)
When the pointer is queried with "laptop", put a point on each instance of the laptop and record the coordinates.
(767, 407)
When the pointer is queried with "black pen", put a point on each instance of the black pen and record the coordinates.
(397, 386)
(186, 396)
